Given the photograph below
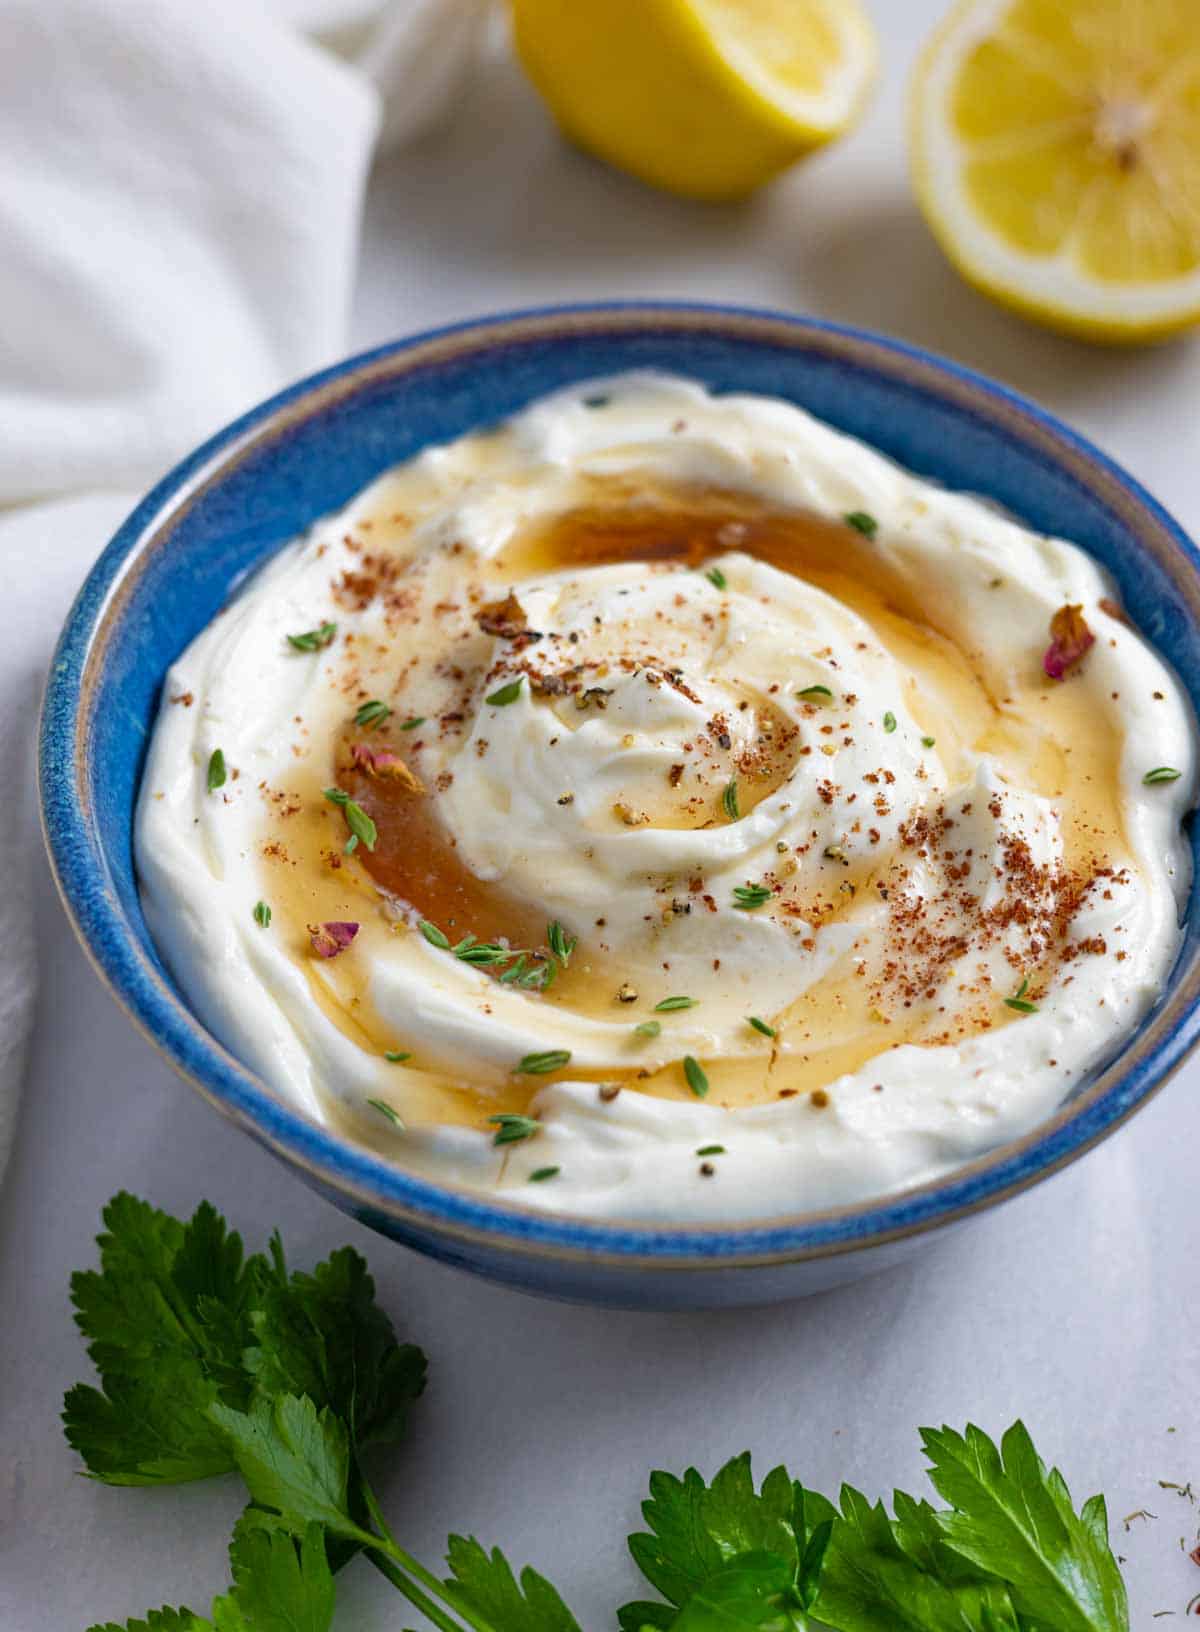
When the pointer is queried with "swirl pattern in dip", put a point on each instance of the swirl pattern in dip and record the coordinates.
(711, 831)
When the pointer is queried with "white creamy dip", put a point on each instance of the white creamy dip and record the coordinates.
(756, 719)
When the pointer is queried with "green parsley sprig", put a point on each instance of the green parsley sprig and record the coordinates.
(212, 1362)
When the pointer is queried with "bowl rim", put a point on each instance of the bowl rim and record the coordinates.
(422, 1206)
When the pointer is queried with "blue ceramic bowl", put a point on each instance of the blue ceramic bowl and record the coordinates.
(305, 453)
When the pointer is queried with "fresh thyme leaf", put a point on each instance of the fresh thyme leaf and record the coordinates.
(669, 1004)
(262, 914)
(362, 828)
(717, 578)
(384, 1109)
(889, 722)
(312, 640)
(1013, 1520)
(928, 742)
(711, 1150)
(862, 522)
(761, 1025)
(696, 1080)
(216, 770)
(412, 724)
(505, 694)
(372, 714)
(434, 935)
(748, 897)
(537, 1065)
(541, 1174)
(484, 1590)
(647, 1028)
(560, 943)
(1161, 773)
(729, 799)
(394, 1056)
(815, 694)
(336, 796)
(1019, 1001)
(511, 1128)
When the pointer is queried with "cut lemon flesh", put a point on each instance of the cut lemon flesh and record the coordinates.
(1056, 155)
(708, 98)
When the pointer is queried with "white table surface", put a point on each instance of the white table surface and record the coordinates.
(1074, 1307)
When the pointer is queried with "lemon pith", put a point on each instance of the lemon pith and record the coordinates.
(707, 98)
(1056, 156)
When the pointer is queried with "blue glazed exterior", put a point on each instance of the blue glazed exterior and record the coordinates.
(305, 453)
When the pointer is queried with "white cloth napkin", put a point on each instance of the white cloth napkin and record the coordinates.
(180, 190)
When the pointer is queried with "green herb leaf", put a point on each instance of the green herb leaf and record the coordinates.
(543, 1173)
(167, 1318)
(1161, 773)
(505, 694)
(761, 1025)
(434, 935)
(362, 828)
(216, 770)
(889, 722)
(669, 1004)
(560, 943)
(313, 639)
(395, 1056)
(717, 578)
(1014, 1520)
(880, 1576)
(384, 1109)
(647, 1028)
(815, 694)
(324, 1336)
(511, 1128)
(279, 1584)
(161, 1620)
(928, 742)
(711, 1150)
(749, 897)
(372, 714)
(1019, 1001)
(697, 1531)
(485, 1591)
(862, 522)
(411, 725)
(294, 1459)
(262, 914)
(537, 1065)
(729, 799)
(696, 1080)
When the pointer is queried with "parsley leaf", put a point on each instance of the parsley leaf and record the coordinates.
(280, 1585)
(1014, 1520)
(881, 1576)
(324, 1335)
(168, 1317)
(484, 1585)
(161, 1620)
(699, 1530)
(295, 1461)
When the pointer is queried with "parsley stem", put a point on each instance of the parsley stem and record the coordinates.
(386, 1543)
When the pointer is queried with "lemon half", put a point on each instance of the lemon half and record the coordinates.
(708, 98)
(1056, 155)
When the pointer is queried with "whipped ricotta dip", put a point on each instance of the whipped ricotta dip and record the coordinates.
(663, 807)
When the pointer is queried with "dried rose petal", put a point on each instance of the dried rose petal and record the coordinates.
(1113, 608)
(330, 939)
(1070, 638)
(1194, 1555)
(383, 762)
